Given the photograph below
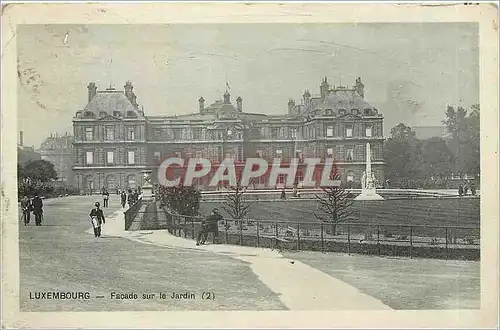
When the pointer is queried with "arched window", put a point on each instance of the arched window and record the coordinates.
(110, 182)
(350, 176)
(103, 114)
(88, 114)
(131, 182)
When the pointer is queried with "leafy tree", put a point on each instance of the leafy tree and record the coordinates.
(38, 170)
(184, 200)
(464, 138)
(403, 154)
(334, 204)
(437, 158)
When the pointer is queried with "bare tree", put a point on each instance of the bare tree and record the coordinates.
(335, 204)
(235, 203)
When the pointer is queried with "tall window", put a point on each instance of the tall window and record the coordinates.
(274, 133)
(368, 131)
(196, 133)
(110, 157)
(157, 134)
(131, 157)
(89, 157)
(177, 132)
(131, 133)
(89, 133)
(329, 152)
(349, 154)
(348, 130)
(329, 131)
(293, 133)
(110, 133)
(157, 156)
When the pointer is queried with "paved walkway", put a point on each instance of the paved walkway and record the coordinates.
(300, 286)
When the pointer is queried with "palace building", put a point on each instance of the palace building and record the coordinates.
(114, 140)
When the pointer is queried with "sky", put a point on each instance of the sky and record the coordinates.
(411, 71)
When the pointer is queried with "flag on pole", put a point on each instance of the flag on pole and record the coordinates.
(227, 86)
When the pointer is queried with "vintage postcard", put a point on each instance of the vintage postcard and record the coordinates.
(249, 165)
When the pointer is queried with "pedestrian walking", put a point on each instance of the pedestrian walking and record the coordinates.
(130, 198)
(466, 189)
(283, 194)
(97, 219)
(38, 209)
(26, 208)
(460, 190)
(105, 197)
(473, 189)
(123, 198)
(136, 196)
(209, 225)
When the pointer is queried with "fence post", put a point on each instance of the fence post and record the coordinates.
(322, 239)
(225, 229)
(185, 227)
(411, 242)
(258, 233)
(378, 239)
(276, 231)
(192, 228)
(241, 231)
(298, 236)
(446, 241)
(348, 239)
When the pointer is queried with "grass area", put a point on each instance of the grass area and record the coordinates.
(428, 211)
(403, 283)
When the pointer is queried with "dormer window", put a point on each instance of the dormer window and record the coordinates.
(103, 114)
(131, 114)
(117, 113)
(88, 114)
(328, 112)
(368, 112)
(354, 111)
(342, 112)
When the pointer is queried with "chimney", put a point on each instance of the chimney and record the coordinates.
(291, 106)
(307, 97)
(360, 87)
(92, 90)
(324, 87)
(201, 101)
(21, 142)
(239, 104)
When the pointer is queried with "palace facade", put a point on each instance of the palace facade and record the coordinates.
(114, 140)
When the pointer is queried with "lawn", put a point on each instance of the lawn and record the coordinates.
(391, 214)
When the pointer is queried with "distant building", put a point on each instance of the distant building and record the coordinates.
(115, 140)
(427, 132)
(58, 149)
(26, 154)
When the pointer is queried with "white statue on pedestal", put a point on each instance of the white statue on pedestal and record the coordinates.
(368, 191)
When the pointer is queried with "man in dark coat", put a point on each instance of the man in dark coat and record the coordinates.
(26, 208)
(209, 225)
(460, 190)
(123, 197)
(97, 219)
(37, 209)
(105, 197)
(130, 198)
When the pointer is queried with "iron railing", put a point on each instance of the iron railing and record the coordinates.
(131, 213)
(456, 242)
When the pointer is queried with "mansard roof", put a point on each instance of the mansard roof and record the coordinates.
(343, 99)
(109, 101)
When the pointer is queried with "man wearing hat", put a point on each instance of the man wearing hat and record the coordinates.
(209, 225)
(97, 219)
